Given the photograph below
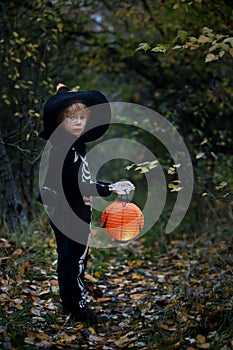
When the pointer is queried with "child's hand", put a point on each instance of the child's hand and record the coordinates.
(122, 187)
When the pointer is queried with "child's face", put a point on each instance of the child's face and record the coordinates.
(75, 118)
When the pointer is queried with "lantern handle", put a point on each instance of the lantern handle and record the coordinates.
(124, 198)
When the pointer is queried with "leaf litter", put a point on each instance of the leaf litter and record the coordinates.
(152, 297)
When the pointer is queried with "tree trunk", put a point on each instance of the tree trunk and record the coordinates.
(10, 203)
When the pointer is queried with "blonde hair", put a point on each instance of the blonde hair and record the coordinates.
(75, 106)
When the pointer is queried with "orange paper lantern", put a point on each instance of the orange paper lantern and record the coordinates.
(122, 220)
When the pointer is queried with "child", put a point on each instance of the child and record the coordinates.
(70, 114)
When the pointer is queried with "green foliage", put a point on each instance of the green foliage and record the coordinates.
(29, 35)
(216, 45)
(104, 45)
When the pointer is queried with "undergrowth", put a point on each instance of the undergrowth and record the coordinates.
(159, 292)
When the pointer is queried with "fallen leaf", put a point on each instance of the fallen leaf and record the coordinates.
(200, 339)
(17, 252)
(29, 341)
(24, 267)
(42, 336)
(102, 300)
(19, 307)
(204, 346)
(35, 311)
(90, 278)
(97, 274)
(168, 328)
(4, 243)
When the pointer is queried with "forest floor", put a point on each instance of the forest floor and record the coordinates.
(158, 292)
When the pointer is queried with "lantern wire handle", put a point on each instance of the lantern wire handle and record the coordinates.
(124, 198)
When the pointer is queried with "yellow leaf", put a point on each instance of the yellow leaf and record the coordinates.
(221, 53)
(58, 327)
(91, 330)
(137, 277)
(117, 280)
(28, 54)
(204, 346)
(142, 169)
(52, 243)
(204, 39)
(7, 102)
(42, 336)
(68, 338)
(97, 274)
(23, 267)
(122, 341)
(210, 57)
(231, 51)
(137, 296)
(60, 26)
(207, 31)
(200, 339)
(177, 189)
(78, 326)
(171, 171)
(170, 185)
(18, 251)
(76, 88)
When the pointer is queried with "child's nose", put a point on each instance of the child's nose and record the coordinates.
(77, 120)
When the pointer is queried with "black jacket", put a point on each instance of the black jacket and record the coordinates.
(67, 188)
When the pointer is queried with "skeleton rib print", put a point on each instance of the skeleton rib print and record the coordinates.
(86, 177)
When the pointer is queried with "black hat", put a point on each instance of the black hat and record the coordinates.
(98, 122)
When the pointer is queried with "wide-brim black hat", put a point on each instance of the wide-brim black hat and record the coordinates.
(100, 116)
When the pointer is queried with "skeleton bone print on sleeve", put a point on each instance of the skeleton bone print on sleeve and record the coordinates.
(86, 176)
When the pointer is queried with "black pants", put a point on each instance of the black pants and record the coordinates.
(72, 261)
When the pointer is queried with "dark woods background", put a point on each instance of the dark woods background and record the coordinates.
(93, 44)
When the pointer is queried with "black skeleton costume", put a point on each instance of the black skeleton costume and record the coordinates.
(78, 190)
(73, 191)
